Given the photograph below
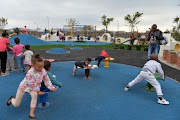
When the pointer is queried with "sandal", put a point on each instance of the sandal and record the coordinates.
(9, 100)
(32, 118)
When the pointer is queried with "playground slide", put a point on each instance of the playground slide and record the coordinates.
(132, 40)
(12, 34)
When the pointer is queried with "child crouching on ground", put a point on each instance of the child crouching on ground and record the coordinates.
(28, 56)
(47, 66)
(102, 56)
(147, 74)
(31, 84)
(83, 65)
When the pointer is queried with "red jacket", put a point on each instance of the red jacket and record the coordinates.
(104, 53)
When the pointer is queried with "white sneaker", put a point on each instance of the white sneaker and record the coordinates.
(163, 101)
(93, 59)
(126, 88)
(5, 74)
(74, 74)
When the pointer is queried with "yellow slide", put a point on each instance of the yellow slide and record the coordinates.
(12, 34)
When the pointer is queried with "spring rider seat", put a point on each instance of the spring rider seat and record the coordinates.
(106, 62)
(149, 87)
(43, 101)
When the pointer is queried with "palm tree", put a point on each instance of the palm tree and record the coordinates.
(106, 21)
(176, 29)
(132, 21)
(177, 21)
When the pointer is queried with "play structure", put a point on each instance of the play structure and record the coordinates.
(170, 53)
(12, 34)
(172, 45)
(83, 29)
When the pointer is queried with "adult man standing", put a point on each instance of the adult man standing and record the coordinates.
(4, 44)
(154, 37)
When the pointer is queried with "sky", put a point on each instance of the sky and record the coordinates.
(33, 13)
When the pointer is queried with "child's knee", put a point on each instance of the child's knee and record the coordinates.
(16, 104)
(34, 95)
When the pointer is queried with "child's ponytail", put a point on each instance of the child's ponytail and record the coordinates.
(36, 58)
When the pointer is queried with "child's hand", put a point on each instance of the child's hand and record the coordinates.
(53, 89)
(164, 78)
(89, 67)
(40, 93)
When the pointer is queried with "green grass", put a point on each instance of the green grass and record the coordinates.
(108, 46)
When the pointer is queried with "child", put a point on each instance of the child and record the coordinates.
(10, 60)
(28, 56)
(25, 30)
(57, 34)
(18, 51)
(47, 66)
(4, 44)
(102, 56)
(31, 84)
(83, 65)
(147, 74)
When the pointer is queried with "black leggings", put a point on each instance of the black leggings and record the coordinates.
(3, 58)
(99, 59)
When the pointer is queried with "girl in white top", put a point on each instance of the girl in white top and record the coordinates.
(28, 57)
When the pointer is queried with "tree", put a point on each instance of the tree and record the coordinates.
(176, 32)
(3, 22)
(166, 31)
(72, 21)
(177, 21)
(106, 21)
(132, 20)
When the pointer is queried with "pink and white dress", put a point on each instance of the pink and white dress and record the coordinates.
(33, 79)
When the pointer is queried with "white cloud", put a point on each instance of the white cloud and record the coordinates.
(26, 12)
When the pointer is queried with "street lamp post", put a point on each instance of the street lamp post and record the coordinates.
(117, 26)
(36, 24)
(48, 22)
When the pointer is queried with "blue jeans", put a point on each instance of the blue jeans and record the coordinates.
(99, 59)
(20, 61)
(153, 49)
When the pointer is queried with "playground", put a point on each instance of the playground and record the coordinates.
(89, 60)
(103, 96)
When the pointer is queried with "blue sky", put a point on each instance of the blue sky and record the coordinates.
(33, 12)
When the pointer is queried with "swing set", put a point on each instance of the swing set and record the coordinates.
(85, 27)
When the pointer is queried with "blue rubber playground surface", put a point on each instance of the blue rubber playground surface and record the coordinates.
(100, 98)
(27, 39)
(58, 51)
(76, 48)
